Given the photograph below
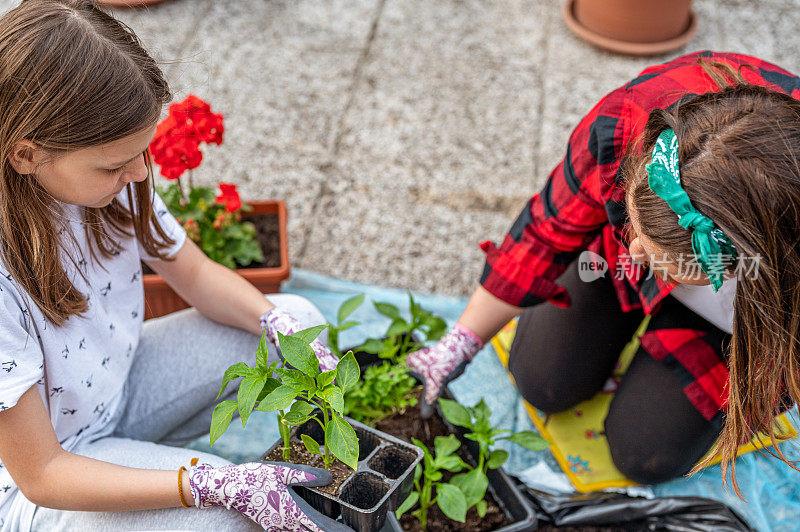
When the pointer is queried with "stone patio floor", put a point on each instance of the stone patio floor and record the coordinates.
(403, 132)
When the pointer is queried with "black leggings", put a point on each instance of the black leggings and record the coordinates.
(561, 357)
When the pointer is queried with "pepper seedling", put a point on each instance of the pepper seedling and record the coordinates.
(428, 488)
(301, 385)
(476, 420)
(400, 336)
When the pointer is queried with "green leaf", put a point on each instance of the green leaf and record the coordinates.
(262, 354)
(240, 369)
(279, 399)
(482, 415)
(347, 325)
(270, 385)
(390, 311)
(295, 378)
(436, 327)
(452, 502)
(472, 484)
(455, 413)
(348, 371)
(398, 327)
(302, 408)
(372, 346)
(497, 458)
(310, 443)
(310, 334)
(249, 390)
(299, 354)
(445, 445)
(407, 504)
(342, 441)
(481, 507)
(452, 463)
(348, 307)
(221, 418)
(325, 378)
(334, 397)
(529, 440)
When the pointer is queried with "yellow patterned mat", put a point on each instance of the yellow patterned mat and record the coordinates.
(576, 435)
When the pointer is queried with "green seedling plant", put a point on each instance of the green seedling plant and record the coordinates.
(399, 338)
(383, 390)
(300, 387)
(343, 323)
(476, 421)
(428, 486)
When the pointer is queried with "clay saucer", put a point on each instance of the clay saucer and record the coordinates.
(626, 47)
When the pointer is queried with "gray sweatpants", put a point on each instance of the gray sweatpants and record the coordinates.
(169, 396)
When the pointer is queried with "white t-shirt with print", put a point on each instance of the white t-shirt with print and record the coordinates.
(81, 367)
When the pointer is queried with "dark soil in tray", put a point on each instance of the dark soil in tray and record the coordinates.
(300, 455)
(268, 236)
(410, 425)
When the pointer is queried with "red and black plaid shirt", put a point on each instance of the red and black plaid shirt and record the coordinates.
(582, 207)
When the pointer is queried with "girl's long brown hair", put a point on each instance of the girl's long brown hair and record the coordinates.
(71, 77)
(739, 156)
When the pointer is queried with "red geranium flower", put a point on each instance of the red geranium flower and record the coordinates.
(176, 144)
(229, 197)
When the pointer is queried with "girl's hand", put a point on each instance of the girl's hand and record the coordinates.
(276, 320)
(439, 364)
(263, 491)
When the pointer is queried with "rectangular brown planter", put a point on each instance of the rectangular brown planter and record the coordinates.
(160, 299)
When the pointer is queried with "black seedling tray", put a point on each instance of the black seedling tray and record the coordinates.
(391, 484)
(505, 492)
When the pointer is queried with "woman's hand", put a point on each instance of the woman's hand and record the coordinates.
(439, 364)
(276, 321)
(263, 491)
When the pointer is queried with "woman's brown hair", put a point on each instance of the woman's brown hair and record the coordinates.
(739, 157)
(71, 77)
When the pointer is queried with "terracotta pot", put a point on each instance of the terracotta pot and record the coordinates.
(160, 299)
(634, 27)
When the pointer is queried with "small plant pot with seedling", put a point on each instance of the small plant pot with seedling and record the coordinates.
(381, 480)
(371, 470)
(460, 484)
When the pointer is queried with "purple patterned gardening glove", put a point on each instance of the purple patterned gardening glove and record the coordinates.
(263, 492)
(439, 364)
(277, 320)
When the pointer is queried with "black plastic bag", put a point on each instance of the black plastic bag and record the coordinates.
(622, 512)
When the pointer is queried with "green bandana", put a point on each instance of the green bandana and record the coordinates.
(709, 243)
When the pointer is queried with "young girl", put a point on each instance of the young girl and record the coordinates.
(685, 185)
(93, 406)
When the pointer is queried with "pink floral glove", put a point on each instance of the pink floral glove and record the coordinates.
(277, 320)
(263, 492)
(439, 364)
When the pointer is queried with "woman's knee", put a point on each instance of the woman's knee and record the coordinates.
(546, 392)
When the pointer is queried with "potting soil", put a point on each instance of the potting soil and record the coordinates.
(298, 454)
(409, 424)
(771, 489)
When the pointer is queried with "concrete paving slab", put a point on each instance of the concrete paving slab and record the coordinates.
(280, 73)
(164, 28)
(401, 238)
(448, 98)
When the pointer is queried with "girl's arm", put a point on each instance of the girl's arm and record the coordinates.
(486, 314)
(217, 292)
(51, 477)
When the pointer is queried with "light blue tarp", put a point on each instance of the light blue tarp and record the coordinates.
(771, 488)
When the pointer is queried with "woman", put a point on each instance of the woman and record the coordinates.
(685, 184)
